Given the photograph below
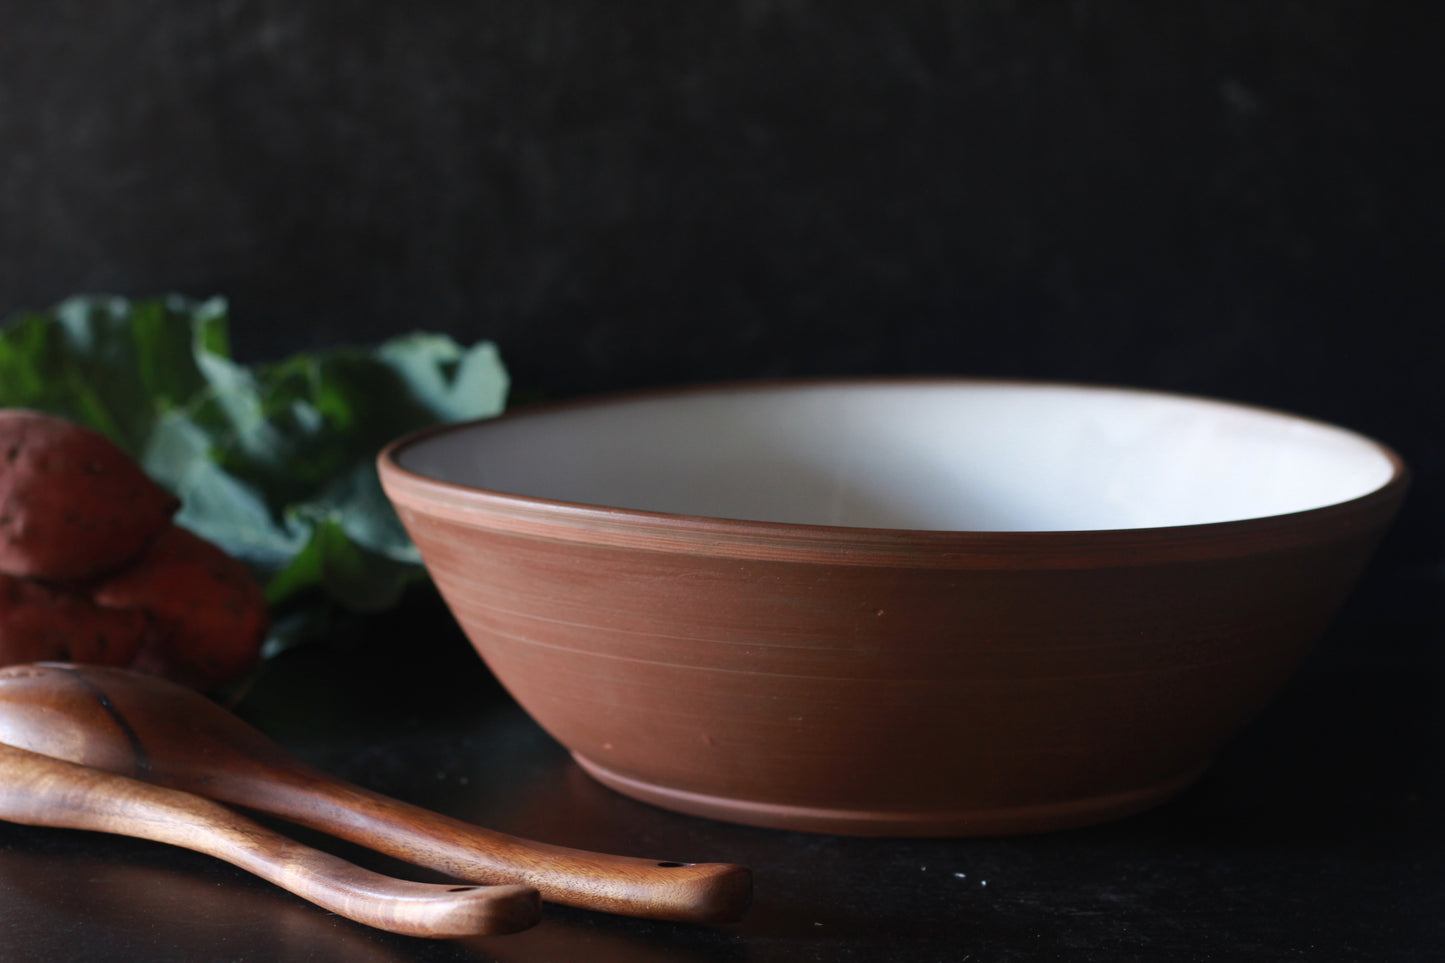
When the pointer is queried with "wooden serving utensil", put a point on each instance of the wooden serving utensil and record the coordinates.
(144, 727)
(40, 791)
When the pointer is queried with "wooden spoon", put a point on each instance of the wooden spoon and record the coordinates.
(144, 727)
(40, 791)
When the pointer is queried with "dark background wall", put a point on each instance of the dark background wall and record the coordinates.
(1234, 198)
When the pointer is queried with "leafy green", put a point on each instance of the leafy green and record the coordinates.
(272, 462)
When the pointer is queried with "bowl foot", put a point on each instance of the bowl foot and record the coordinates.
(1003, 821)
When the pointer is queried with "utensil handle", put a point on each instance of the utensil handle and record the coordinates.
(653, 889)
(40, 791)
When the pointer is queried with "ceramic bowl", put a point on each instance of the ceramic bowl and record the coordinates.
(894, 608)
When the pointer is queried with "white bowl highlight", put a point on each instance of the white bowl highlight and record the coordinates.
(945, 455)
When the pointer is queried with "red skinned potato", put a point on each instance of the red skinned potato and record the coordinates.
(39, 623)
(72, 504)
(209, 613)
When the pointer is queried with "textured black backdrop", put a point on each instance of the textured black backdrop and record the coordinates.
(1235, 198)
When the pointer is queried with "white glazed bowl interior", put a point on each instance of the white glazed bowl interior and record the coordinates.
(945, 456)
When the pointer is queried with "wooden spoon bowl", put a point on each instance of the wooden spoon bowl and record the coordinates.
(149, 729)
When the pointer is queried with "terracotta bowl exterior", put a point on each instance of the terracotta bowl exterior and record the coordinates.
(880, 681)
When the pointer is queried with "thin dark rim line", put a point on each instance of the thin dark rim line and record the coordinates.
(556, 510)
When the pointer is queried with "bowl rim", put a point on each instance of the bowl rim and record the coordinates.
(1365, 515)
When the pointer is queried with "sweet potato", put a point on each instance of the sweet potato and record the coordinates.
(40, 623)
(72, 504)
(210, 614)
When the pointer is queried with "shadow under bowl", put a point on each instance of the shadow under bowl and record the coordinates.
(918, 607)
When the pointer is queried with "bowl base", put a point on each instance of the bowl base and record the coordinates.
(851, 822)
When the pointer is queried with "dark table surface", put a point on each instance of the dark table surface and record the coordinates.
(1318, 835)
